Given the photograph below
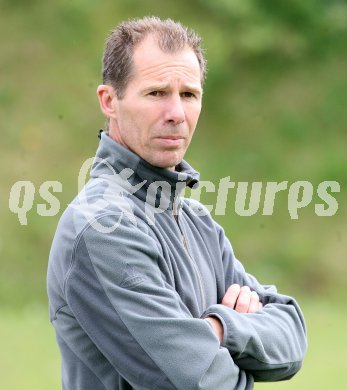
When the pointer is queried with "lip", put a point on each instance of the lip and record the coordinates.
(170, 139)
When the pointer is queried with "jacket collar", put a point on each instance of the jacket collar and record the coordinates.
(159, 186)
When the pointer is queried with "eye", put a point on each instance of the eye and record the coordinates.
(188, 95)
(156, 93)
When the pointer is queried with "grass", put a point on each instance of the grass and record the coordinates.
(326, 358)
(268, 121)
(272, 120)
(30, 358)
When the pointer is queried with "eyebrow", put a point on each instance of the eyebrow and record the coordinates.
(164, 86)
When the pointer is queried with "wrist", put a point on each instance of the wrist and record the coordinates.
(217, 327)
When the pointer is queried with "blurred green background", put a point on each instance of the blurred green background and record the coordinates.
(274, 110)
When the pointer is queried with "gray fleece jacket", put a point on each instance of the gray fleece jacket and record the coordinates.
(133, 270)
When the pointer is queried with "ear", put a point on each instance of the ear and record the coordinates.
(107, 96)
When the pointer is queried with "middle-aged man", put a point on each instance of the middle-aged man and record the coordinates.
(145, 291)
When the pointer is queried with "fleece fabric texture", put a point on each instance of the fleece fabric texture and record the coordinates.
(134, 269)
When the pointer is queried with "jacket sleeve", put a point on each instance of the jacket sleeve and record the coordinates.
(270, 343)
(117, 292)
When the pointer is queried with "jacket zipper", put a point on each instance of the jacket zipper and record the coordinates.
(184, 241)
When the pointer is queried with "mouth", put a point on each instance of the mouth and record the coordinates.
(170, 140)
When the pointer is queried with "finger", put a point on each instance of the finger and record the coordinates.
(243, 300)
(260, 306)
(254, 303)
(231, 295)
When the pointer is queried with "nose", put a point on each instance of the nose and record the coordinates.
(175, 111)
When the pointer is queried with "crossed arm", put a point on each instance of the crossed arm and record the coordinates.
(240, 299)
(143, 329)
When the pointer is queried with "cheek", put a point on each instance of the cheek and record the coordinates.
(150, 112)
(193, 116)
(130, 121)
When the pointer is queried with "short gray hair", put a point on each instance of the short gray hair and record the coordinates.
(118, 54)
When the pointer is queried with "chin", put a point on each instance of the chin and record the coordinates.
(168, 162)
(167, 165)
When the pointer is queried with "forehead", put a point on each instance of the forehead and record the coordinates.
(150, 63)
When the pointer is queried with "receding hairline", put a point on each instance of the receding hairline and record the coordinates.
(170, 37)
(156, 40)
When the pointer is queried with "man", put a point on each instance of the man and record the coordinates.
(144, 288)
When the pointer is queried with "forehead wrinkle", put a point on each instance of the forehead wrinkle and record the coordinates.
(150, 63)
(169, 71)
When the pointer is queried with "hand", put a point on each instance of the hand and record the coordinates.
(241, 299)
